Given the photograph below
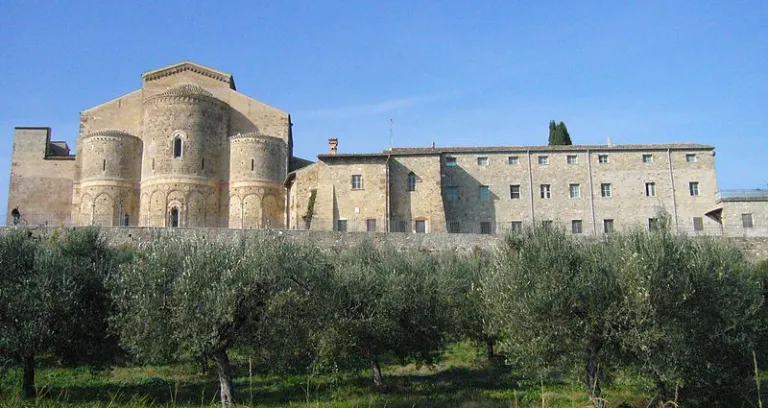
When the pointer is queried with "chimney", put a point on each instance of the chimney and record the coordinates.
(333, 145)
(610, 141)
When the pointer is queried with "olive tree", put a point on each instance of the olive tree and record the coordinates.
(691, 311)
(52, 300)
(379, 303)
(199, 298)
(552, 299)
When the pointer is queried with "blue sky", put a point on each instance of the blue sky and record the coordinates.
(449, 72)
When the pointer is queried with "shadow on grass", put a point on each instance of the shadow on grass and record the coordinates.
(451, 387)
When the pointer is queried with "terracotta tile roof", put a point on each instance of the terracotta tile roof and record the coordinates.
(405, 151)
(500, 149)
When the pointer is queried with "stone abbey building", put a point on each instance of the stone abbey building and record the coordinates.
(188, 150)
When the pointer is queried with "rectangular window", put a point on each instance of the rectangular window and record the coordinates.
(576, 226)
(454, 227)
(452, 194)
(482, 161)
(485, 227)
(411, 181)
(605, 190)
(545, 191)
(357, 182)
(341, 225)
(202, 164)
(543, 160)
(572, 159)
(602, 158)
(647, 158)
(652, 224)
(485, 193)
(690, 157)
(421, 226)
(693, 188)
(516, 227)
(608, 226)
(514, 191)
(746, 220)
(650, 189)
(513, 160)
(370, 225)
(450, 162)
(574, 191)
(698, 224)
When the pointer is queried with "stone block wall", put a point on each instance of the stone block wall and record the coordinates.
(41, 184)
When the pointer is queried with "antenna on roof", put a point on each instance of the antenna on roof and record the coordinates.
(391, 134)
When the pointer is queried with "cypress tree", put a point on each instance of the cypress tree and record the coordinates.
(563, 131)
(558, 134)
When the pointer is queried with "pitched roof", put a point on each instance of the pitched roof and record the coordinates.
(500, 149)
(420, 151)
(189, 66)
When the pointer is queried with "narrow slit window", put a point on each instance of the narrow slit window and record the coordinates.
(177, 145)
(153, 164)
(202, 165)
(104, 165)
(253, 164)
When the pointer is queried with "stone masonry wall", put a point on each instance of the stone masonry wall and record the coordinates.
(755, 248)
(40, 187)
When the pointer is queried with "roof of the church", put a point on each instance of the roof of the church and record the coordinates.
(189, 66)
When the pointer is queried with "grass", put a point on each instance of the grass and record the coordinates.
(462, 380)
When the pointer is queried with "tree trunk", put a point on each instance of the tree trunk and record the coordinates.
(225, 378)
(28, 382)
(593, 383)
(378, 380)
(490, 351)
(204, 364)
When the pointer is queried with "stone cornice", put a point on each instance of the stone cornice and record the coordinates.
(243, 137)
(192, 67)
(108, 134)
(185, 92)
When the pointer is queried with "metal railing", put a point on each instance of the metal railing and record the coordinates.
(734, 194)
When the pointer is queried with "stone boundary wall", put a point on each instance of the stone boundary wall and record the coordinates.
(756, 248)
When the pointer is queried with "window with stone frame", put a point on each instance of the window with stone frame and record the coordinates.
(605, 190)
(574, 191)
(514, 191)
(357, 182)
(545, 191)
(698, 224)
(411, 181)
(576, 226)
(178, 147)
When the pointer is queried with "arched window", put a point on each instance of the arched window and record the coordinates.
(174, 217)
(177, 144)
(411, 182)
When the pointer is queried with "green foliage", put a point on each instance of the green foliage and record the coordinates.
(379, 304)
(553, 299)
(53, 300)
(558, 134)
(307, 217)
(691, 313)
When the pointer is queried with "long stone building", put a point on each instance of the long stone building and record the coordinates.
(188, 150)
